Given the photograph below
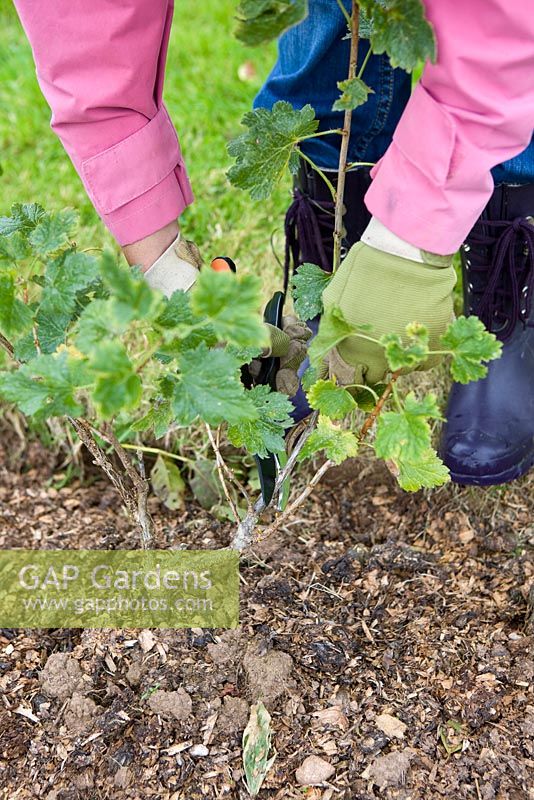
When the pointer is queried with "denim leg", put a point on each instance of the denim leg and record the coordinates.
(517, 170)
(312, 57)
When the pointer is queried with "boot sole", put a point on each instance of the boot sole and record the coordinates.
(507, 476)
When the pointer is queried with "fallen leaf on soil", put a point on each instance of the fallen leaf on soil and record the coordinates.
(333, 715)
(391, 726)
(177, 748)
(256, 747)
(146, 640)
(313, 771)
(25, 712)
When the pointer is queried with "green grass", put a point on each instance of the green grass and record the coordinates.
(206, 100)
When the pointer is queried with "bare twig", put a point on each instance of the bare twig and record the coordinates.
(369, 422)
(298, 500)
(140, 485)
(219, 461)
(7, 346)
(245, 531)
(345, 137)
(85, 434)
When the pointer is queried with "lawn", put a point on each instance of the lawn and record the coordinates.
(206, 99)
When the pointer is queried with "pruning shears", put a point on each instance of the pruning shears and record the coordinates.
(270, 466)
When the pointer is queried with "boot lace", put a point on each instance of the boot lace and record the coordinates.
(507, 296)
(309, 227)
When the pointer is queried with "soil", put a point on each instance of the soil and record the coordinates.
(390, 636)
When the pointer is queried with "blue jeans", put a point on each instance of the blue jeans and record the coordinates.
(313, 56)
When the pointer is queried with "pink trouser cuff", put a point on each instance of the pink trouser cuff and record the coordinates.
(140, 184)
(425, 189)
(471, 110)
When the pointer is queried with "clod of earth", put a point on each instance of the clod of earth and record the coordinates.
(389, 770)
(233, 716)
(80, 714)
(61, 677)
(171, 705)
(269, 675)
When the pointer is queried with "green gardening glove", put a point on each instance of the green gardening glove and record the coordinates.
(289, 345)
(387, 292)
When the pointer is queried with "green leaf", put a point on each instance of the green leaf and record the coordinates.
(309, 377)
(24, 217)
(96, 324)
(309, 283)
(160, 414)
(337, 444)
(159, 418)
(265, 434)
(256, 747)
(167, 483)
(230, 303)
(333, 329)
(209, 387)
(15, 316)
(260, 21)
(14, 248)
(365, 400)
(470, 344)
(132, 296)
(406, 354)
(53, 231)
(427, 472)
(400, 29)
(176, 311)
(117, 386)
(354, 93)
(19, 387)
(178, 321)
(71, 274)
(406, 434)
(268, 148)
(243, 354)
(66, 278)
(330, 400)
(45, 386)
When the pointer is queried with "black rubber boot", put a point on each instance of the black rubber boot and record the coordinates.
(489, 434)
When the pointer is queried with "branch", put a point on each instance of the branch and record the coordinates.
(369, 422)
(300, 499)
(245, 531)
(140, 484)
(7, 346)
(85, 434)
(345, 137)
(221, 467)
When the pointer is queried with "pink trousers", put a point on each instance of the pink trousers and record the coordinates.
(101, 63)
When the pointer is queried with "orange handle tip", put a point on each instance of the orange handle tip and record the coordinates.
(223, 264)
